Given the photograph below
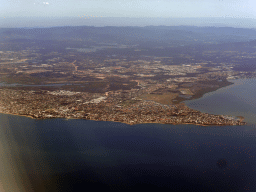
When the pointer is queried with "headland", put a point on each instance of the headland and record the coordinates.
(66, 104)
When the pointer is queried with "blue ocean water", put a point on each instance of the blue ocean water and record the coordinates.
(76, 155)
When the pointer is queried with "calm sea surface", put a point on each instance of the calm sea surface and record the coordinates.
(73, 155)
(238, 99)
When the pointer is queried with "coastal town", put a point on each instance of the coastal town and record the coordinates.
(66, 104)
(123, 108)
(119, 82)
(131, 92)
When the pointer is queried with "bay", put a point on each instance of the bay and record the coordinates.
(238, 99)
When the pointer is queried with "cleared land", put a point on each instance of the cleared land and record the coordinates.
(165, 98)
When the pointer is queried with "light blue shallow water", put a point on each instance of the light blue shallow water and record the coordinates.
(238, 99)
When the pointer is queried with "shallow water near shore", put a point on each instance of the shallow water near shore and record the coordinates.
(238, 99)
(73, 155)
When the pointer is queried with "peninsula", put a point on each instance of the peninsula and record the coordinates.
(66, 104)
(126, 74)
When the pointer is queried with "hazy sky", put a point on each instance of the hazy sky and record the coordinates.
(42, 13)
(129, 8)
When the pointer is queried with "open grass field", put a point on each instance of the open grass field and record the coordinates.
(165, 98)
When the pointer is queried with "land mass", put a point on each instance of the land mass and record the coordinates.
(66, 104)
(124, 74)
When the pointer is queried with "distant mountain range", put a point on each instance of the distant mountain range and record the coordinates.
(14, 22)
(130, 35)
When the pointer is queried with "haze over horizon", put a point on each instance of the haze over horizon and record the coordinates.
(47, 13)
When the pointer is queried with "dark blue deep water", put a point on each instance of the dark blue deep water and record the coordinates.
(81, 155)
(72, 155)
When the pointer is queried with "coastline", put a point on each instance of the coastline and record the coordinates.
(201, 94)
(235, 100)
(142, 112)
(241, 118)
(146, 122)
